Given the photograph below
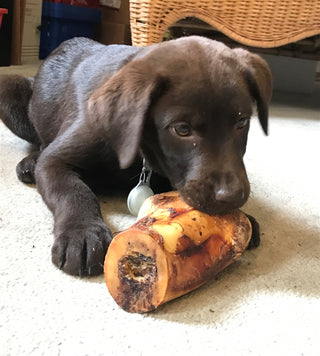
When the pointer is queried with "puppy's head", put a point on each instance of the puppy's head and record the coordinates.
(186, 104)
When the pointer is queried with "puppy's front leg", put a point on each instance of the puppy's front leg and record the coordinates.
(81, 236)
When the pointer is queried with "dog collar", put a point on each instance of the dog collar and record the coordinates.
(141, 191)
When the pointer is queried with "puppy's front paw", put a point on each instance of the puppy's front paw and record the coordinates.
(81, 250)
(25, 168)
(255, 237)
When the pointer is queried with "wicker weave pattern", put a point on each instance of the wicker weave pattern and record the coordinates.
(259, 23)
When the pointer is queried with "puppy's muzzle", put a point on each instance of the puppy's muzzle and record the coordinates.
(218, 194)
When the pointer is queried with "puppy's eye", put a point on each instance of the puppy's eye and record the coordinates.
(241, 123)
(182, 129)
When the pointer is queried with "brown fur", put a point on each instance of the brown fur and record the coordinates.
(94, 111)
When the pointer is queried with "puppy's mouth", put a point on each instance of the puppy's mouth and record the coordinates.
(215, 208)
(210, 205)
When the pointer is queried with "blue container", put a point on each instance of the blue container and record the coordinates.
(61, 22)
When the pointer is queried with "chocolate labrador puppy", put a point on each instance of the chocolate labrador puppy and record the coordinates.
(94, 110)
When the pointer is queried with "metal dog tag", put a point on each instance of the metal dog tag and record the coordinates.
(140, 192)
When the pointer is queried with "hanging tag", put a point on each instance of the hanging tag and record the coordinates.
(140, 192)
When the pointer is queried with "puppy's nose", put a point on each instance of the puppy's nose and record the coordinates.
(224, 195)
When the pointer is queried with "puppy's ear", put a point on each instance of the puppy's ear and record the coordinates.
(260, 81)
(121, 105)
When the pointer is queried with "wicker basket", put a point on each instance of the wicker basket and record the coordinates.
(258, 23)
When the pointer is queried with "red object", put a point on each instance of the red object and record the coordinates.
(85, 3)
(2, 12)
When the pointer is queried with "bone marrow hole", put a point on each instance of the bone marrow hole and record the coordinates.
(139, 268)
